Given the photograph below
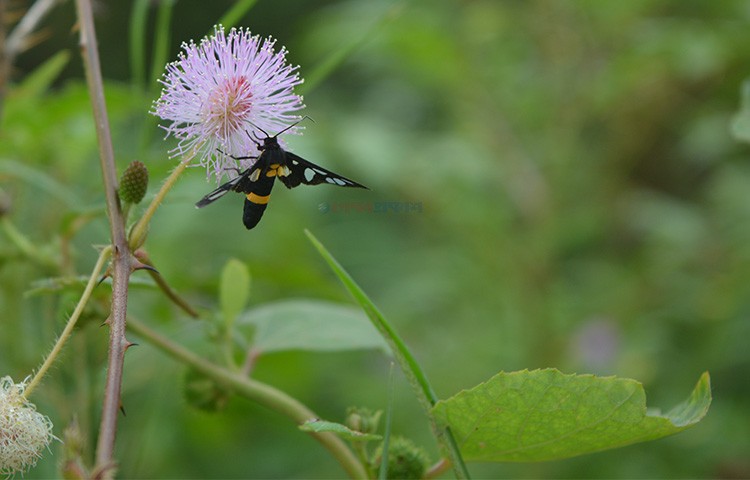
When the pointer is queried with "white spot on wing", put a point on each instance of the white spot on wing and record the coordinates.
(309, 174)
(331, 180)
(339, 181)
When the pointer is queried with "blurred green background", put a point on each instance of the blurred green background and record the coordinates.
(584, 206)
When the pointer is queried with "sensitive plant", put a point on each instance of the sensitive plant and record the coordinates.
(222, 95)
(218, 117)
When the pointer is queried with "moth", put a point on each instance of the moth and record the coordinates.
(273, 162)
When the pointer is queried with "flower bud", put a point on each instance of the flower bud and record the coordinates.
(134, 182)
(363, 420)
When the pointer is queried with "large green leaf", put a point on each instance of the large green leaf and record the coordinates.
(311, 325)
(546, 415)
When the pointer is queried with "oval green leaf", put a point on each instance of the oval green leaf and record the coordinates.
(546, 415)
(311, 325)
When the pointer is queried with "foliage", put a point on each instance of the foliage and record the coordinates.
(554, 184)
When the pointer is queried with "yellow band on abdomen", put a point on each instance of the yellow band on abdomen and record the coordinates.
(258, 199)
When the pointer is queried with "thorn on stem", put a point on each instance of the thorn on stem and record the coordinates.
(136, 265)
(105, 275)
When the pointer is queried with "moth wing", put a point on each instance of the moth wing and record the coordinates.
(300, 171)
(237, 184)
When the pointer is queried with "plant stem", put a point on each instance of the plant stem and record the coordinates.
(409, 365)
(438, 469)
(121, 256)
(171, 294)
(63, 338)
(140, 229)
(24, 244)
(261, 393)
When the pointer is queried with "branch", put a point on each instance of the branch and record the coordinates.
(121, 258)
(261, 393)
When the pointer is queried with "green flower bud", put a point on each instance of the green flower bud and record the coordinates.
(134, 182)
(72, 466)
(361, 419)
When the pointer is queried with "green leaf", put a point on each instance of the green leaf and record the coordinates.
(42, 180)
(311, 325)
(39, 81)
(546, 415)
(162, 34)
(234, 290)
(137, 38)
(234, 15)
(345, 49)
(318, 426)
(741, 120)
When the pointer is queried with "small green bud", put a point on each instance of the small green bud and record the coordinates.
(134, 182)
(405, 460)
(72, 466)
(361, 419)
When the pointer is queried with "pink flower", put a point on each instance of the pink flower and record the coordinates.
(221, 94)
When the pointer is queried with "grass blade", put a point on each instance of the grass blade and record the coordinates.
(404, 358)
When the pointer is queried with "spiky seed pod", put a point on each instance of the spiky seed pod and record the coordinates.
(134, 182)
(405, 460)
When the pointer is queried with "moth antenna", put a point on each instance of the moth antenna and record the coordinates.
(306, 117)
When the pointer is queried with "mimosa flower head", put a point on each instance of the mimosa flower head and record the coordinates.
(221, 95)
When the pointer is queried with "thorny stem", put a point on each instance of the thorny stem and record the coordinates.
(62, 339)
(254, 390)
(121, 257)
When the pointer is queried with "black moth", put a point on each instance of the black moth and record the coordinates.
(257, 181)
